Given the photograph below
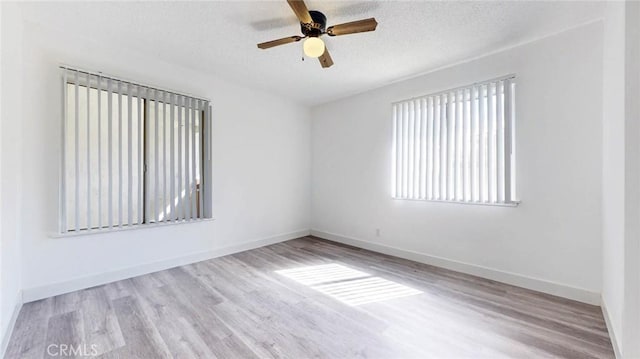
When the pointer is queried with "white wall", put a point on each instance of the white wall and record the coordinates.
(261, 170)
(621, 176)
(553, 236)
(630, 347)
(613, 154)
(10, 163)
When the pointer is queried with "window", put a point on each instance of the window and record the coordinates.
(457, 145)
(132, 154)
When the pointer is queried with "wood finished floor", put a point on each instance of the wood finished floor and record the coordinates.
(239, 306)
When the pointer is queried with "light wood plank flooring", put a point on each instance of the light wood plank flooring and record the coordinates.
(310, 298)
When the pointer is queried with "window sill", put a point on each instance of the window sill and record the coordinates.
(85, 232)
(512, 204)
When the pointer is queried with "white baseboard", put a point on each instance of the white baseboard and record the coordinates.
(612, 334)
(49, 290)
(540, 285)
(4, 341)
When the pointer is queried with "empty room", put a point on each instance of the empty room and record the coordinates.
(320, 179)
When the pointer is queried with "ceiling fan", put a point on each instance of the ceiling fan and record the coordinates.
(313, 25)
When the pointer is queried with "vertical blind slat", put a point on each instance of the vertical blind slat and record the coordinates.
(192, 188)
(399, 179)
(187, 159)
(210, 132)
(119, 154)
(434, 112)
(443, 147)
(430, 141)
(412, 145)
(423, 152)
(490, 143)
(63, 157)
(415, 134)
(465, 147)
(141, 159)
(156, 154)
(458, 136)
(129, 157)
(172, 168)
(201, 118)
(209, 169)
(76, 152)
(409, 154)
(475, 145)
(439, 149)
(453, 127)
(147, 149)
(110, 152)
(399, 154)
(436, 146)
(483, 142)
(180, 195)
(499, 158)
(187, 120)
(508, 151)
(99, 88)
(165, 164)
(462, 144)
(453, 147)
(164, 157)
(89, 194)
(394, 154)
(405, 147)
(416, 149)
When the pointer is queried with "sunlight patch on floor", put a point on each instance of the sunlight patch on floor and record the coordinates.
(347, 285)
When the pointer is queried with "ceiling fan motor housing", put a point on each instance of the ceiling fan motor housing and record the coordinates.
(317, 27)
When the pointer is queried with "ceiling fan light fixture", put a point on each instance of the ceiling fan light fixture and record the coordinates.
(313, 47)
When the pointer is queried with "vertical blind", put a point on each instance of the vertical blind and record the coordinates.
(457, 145)
(131, 154)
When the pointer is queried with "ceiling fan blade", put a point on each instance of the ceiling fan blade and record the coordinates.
(325, 59)
(353, 27)
(301, 11)
(285, 40)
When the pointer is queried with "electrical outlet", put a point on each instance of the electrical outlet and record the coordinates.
(377, 232)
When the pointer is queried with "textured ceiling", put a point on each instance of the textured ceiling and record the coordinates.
(220, 37)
